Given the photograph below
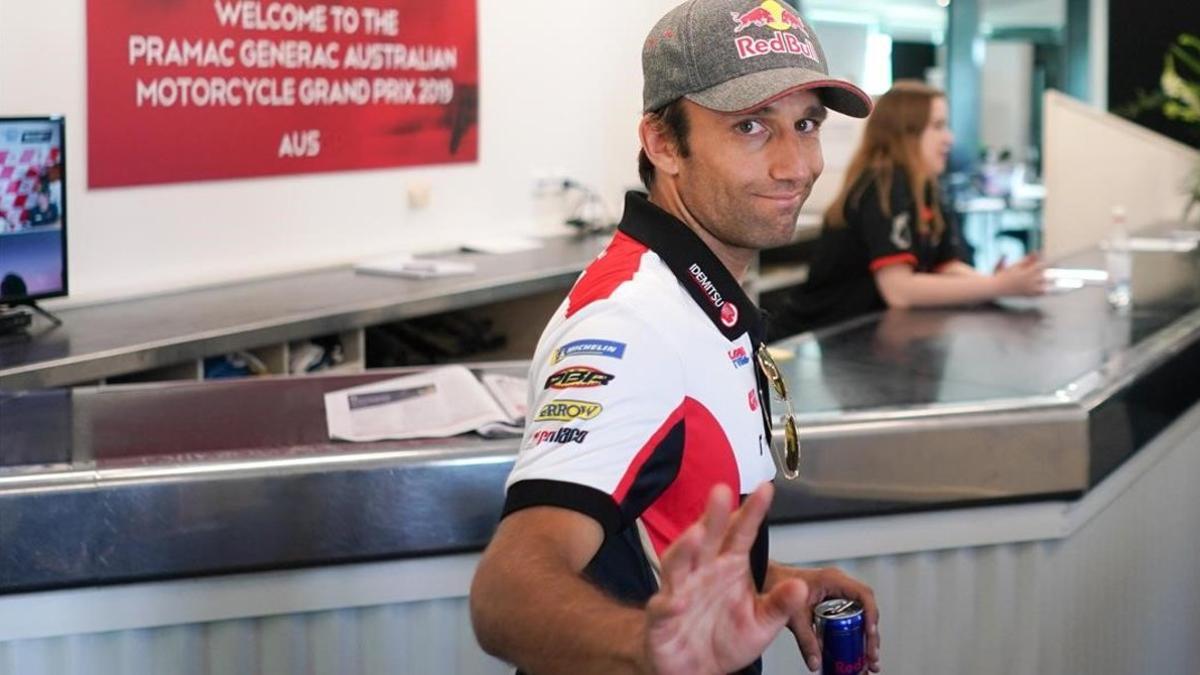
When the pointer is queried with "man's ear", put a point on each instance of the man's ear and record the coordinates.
(660, 148)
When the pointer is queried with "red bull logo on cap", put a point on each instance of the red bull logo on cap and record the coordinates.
(770, 14)
(776, 16)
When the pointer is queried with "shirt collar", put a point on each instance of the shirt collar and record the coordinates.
(698, 269)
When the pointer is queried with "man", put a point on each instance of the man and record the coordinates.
(620, 549)
(43, 212)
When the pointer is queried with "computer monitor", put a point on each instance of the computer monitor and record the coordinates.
(33, 209)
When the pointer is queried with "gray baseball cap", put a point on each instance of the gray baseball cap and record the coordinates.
(736, 55)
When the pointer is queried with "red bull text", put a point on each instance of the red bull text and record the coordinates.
(783, 43)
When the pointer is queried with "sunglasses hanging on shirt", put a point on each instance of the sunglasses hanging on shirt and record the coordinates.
(790, 462)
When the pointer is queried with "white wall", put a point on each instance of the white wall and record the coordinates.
(553, 96)
(1094, 161)
(1004, 114)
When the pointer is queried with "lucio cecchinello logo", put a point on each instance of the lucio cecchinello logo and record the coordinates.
(782, 20)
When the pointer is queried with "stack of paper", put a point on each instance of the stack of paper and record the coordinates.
(436, 403)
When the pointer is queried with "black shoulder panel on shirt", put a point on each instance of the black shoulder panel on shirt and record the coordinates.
(656, 475)
(579, 498)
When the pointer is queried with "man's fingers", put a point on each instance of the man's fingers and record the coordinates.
(810, 646)
(839, 585)
(715, 522)
(871, 614)
(744, 529)
(679, 559)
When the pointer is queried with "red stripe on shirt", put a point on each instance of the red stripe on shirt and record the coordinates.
(897, 259)
(708, 460)
(618, 264)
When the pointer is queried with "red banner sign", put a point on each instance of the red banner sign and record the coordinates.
(185, 90)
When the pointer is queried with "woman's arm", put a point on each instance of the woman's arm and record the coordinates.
(902, 287)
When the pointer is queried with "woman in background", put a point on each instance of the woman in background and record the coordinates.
(887, 241)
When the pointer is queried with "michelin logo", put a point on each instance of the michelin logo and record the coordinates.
(613, 350)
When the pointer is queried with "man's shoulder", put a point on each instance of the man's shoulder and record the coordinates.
(627, 278)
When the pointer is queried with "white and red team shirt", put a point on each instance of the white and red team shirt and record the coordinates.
(644, 394)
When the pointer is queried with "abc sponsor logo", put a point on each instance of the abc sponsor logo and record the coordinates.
(560, 436)
(565, 410)
(577, 378)
(609, 348)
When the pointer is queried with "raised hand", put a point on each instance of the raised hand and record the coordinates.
(707, 616)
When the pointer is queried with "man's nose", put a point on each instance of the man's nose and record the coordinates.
(795, 160)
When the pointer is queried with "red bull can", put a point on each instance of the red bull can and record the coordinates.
(842, 629)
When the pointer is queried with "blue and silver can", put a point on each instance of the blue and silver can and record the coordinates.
(842, 629)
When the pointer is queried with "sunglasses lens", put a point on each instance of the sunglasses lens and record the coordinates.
(767, 363)
(792, 452)
(779, 386)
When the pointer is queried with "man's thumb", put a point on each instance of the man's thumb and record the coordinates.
(783, 601)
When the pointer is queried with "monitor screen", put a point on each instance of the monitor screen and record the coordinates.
(33, 209)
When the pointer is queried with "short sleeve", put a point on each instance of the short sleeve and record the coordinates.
(604, 435)
(950, 248)
(889, 240)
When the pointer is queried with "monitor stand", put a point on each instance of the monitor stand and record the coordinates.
(9, 313)
(14, 321)
(32, 304)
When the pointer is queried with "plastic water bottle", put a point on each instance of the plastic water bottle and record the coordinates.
(1119, 262)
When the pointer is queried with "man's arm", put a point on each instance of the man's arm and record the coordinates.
(531, 606)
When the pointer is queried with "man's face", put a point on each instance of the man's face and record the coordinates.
(748, 174)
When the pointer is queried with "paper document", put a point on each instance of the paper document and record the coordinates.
(1066, 279)
(1155, 245)
(1076, 277)
(510, 392)
(1162, 245)
(445, 401)
(405, 265)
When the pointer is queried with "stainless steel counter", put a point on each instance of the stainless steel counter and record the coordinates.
(902, 411)
(109, 339)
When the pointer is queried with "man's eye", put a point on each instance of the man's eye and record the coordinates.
(748, 127)
(808, 125)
